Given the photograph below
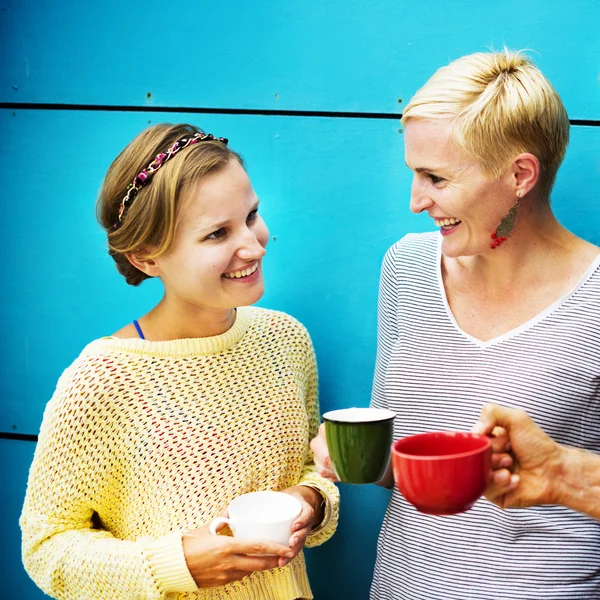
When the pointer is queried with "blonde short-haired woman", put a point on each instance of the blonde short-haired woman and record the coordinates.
(501, 304)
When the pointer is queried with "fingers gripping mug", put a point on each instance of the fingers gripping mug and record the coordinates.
(261, 516)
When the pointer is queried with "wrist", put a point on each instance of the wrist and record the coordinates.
(315, 499)
(558, 475)
(578, 482)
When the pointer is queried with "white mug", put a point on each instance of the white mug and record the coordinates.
(261, 516)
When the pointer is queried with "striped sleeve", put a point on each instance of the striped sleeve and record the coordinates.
(387, 324)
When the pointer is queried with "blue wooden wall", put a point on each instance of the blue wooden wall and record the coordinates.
(308, 93)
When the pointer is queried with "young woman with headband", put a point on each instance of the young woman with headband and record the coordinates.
(153, 430)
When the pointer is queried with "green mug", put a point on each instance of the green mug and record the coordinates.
(359, 441)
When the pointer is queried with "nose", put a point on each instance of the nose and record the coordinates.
(419, 198)
(253, 245)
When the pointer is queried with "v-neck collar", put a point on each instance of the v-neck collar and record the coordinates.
(524, 326)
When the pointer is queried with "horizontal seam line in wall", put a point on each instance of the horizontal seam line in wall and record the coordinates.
(226, 111)
(200, 110)
(25, 437)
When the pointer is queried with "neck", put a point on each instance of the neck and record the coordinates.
(173, 319)
(538, 239)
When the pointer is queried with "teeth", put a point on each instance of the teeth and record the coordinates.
(244, 273)
(446, 222)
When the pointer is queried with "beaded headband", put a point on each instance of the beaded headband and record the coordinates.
(144, 177)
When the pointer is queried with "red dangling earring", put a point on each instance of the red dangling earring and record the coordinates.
(506, 226)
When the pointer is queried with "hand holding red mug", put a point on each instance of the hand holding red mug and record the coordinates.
(526, 461)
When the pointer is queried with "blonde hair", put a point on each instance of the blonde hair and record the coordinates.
(151, 219)
(500, 105)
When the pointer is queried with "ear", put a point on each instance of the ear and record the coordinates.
(526, 173)
(143, 263)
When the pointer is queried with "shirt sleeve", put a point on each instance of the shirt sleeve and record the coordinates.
(310, 477)
(64, 550)
(387, 325)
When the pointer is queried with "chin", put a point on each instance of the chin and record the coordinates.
(251, 296)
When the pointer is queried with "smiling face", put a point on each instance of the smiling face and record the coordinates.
(453, 190)
(215, 261)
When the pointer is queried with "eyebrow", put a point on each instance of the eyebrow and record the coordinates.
(423, 169)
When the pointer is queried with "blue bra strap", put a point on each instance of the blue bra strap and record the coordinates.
(139, 329)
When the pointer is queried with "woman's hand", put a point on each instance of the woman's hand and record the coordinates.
(322, 460)
(534, 457)
(217, 560)
(310, 516)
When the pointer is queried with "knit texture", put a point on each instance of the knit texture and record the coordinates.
(143, 440)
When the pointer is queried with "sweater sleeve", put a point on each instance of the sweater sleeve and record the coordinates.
(64, 550)
(387, 325)
(310, 477)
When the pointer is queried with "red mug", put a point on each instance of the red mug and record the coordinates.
(442, 473)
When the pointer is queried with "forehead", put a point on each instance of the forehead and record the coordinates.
(218, 193)
(428, 143)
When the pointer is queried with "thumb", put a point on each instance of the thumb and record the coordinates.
(492, 416)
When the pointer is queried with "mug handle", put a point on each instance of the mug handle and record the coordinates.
(216, 522)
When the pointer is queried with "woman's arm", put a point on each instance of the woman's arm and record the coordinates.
(387, 334)
(387, 325)
(63, 552)
(324, 493)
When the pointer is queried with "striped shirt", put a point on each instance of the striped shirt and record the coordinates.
(436, 377)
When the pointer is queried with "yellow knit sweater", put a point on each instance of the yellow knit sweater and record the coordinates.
(143, 440)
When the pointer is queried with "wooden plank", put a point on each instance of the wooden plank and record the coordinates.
(318, 180)
(271, 55)
(15, 458)
(334, 194)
